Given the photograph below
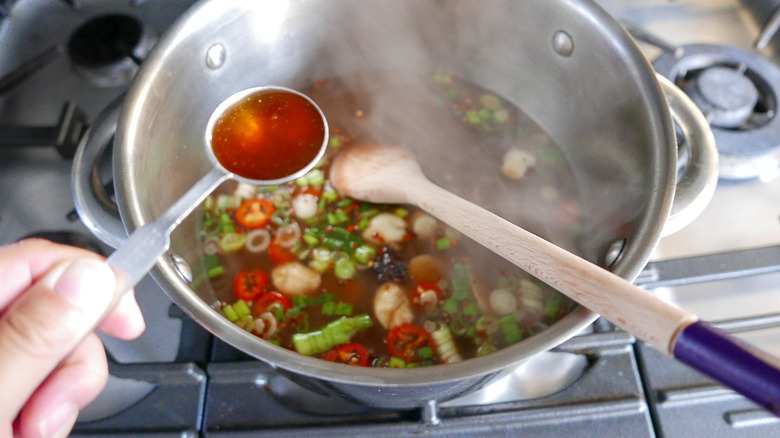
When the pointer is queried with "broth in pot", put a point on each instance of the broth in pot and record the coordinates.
(308, 269)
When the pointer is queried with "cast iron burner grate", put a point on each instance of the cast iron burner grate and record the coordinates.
(738, 93)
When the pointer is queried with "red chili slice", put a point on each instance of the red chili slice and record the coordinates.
(279, 254)
(405, 339)
(248, 285)
(264, 303)
(255, 213)
(350, 354)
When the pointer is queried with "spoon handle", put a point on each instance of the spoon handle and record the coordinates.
(626, 305)
(136, 256)
(663, 325)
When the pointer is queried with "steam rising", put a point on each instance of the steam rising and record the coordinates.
(396, 49)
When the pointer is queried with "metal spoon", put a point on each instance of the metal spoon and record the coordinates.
(391, 174)
(136, 256)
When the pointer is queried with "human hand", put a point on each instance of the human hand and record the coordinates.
(51, 362)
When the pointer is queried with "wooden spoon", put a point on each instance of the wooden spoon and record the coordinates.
(391, 174)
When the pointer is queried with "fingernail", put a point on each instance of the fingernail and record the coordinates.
(87, 284)
(60, 421)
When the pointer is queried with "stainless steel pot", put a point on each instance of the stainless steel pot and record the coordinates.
(566, 63)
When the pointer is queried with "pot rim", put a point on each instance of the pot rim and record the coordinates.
(628, 267)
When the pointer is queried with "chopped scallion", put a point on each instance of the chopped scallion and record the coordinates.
(425, 353)
(241, 308)
(230, 313)
(397, 362)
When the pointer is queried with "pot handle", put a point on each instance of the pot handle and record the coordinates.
(700, 177)
(97, 210)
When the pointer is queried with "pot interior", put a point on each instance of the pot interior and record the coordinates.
(570, 69)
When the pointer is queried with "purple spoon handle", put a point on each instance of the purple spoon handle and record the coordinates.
(732, 362)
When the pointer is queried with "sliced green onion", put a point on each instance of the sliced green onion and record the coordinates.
(230, 313)
(445, 345)
(343, 308)
(329, 308)
(316, 177)
(553, 305)
(241, 308)
(450, 306)
(511, 330)
(443, 243)
(364, 254)
(311, 240)
(344, 268)
(330, 196)
(335, 333)
(216, 271)
(397, 362)
(486, 348)
(232, 242)
(425, 353)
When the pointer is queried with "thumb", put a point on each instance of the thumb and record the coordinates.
(46, 323)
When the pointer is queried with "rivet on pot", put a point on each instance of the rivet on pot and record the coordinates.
(614, 252)
(183, 268)
(562, 43)
(430, 413)
(215, 56)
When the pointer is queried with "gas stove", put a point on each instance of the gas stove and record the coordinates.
(63, 62)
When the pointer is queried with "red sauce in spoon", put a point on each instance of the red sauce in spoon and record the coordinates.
(268, 135)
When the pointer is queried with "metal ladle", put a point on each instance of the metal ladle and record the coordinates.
(136, 256)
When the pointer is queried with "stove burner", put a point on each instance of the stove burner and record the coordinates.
(725, 96)
(107, 50)
(738, 93)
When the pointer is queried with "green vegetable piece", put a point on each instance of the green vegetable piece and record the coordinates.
(241, 308)
(311, 240)
(397, 362)
(335, 333)
(364, 254)
(472, 117)
(344, 268)
(470, 309)
(329, 308)
(330, 196)
(216, 271)
(316, 177)
(425, 353)
(443, 243)
(450, 306)
(343, 309)
(486, 348)
(553, 305)
(230, 313)
(511, 330)
(232, 242)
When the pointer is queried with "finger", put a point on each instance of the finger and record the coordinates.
(126, 320)
(23, 262)
(46, 323)
(53, 408)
